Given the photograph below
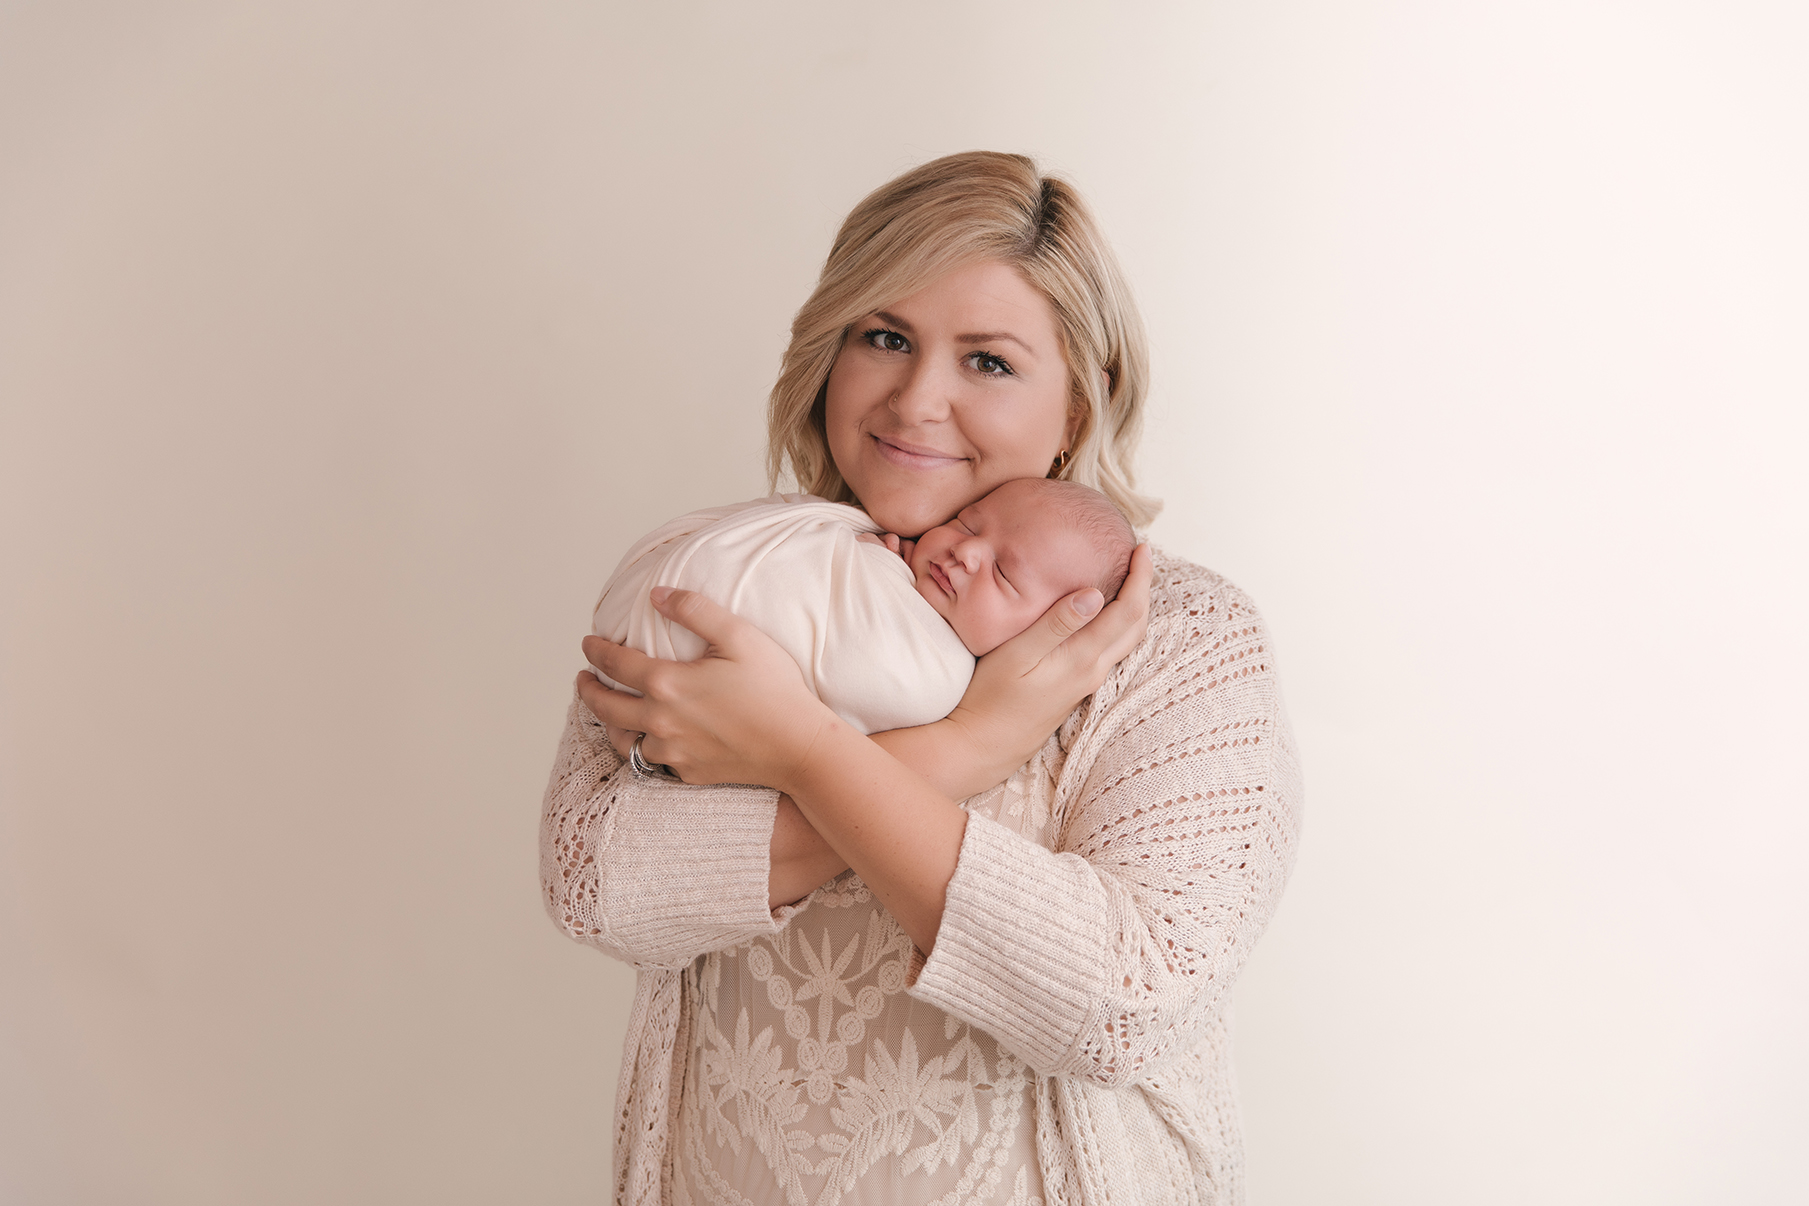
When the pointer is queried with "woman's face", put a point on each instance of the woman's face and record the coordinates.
(945, 394)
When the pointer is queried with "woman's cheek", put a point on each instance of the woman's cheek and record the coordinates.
(1017, 450)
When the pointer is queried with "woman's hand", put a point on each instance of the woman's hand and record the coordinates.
(739, 714)
(889, 541)
(1023, 690)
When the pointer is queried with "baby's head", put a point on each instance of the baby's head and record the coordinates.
(1003, 561)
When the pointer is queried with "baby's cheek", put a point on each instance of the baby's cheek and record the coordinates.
(993, 624)
(1028, 612)
(960, 617)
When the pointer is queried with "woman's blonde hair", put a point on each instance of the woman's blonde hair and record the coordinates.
(953, 211)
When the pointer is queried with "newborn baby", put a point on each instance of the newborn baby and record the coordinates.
(995, 568)
(885, 631)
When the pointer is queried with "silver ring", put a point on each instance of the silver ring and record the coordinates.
(642, 767)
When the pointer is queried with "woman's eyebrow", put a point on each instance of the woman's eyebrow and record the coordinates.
(892, 320)
(994, 337)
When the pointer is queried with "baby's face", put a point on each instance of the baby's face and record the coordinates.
(999, 565)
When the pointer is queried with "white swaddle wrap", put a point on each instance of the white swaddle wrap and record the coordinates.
(869, 645)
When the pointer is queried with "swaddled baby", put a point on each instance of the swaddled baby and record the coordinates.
(885, 631)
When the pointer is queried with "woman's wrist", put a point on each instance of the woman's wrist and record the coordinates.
(1000, 745)
(787, 747)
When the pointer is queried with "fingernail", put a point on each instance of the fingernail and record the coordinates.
(1088, 605)
(658, 594)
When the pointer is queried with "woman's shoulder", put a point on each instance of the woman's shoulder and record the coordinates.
(1190, 604)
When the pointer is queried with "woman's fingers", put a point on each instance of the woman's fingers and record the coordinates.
(1065, 617)
(1105, 641)
(617, 709)
(729, 716)
(630, 667)
(622, 739)
(699, 614)
(686, 608)
(1127, 619)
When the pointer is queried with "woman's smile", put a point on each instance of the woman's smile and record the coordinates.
(907, 455)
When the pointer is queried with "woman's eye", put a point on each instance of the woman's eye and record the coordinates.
(886, 341)
(988, 365)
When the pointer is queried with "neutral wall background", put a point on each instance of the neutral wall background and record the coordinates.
(344, 347)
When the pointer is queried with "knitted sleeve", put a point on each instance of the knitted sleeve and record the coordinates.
(624, 865)
(1180, 798)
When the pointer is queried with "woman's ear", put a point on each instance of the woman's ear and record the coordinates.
(1080, 412)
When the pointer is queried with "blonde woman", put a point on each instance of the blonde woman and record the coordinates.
(985, 960)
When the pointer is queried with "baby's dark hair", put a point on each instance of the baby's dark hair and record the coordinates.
(1092, 515)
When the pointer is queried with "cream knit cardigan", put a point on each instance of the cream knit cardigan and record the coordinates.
(1105, 964)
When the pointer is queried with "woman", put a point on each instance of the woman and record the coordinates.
(853, 988)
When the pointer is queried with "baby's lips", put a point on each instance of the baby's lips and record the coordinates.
(942, 579)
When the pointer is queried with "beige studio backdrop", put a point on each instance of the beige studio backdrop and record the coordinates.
(344, 347)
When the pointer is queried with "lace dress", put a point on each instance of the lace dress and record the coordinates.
(815, 1079)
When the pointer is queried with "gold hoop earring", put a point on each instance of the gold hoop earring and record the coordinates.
(1059, 463)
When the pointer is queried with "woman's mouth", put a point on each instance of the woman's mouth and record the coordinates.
(914, 456)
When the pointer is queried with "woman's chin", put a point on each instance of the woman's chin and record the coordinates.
(911, 513)
(911, 522)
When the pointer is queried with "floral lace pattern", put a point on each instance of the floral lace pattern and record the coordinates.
(775, 1108)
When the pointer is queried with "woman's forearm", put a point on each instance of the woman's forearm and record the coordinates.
(946, 753)
(899, 832)
(801, 859)
(943, 753)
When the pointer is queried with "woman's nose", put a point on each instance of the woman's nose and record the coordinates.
(924, 397)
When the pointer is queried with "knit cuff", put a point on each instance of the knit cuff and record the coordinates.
(1022, 945)
(687, 868)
